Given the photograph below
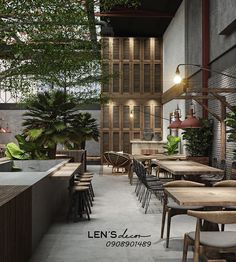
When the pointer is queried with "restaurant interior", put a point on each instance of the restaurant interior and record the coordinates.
(140, 163)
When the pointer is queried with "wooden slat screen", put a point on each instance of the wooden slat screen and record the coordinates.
(106, 117)
(105, 72)
(136, 135)
(126, 142)
(147, 49)
(105, 139)
(147, 78)
(116, 141)
(116, 117)
(116, 78)
(157, 49)
(137, 49)
(105, 48)
(116, 49)
(147, 123)
(157, 117)
(125, 48)
(126, 118)
(136, 78)
(136, 117)
(126, 76)
(157, 78)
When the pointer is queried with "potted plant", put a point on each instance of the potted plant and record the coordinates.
(199, 141)
(172, 145)
(231, 123)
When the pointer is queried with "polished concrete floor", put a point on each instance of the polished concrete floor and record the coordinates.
(115, 209)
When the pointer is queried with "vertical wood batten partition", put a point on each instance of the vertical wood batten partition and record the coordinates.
(136, 66)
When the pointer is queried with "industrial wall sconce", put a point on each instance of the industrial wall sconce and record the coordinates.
(178, 78)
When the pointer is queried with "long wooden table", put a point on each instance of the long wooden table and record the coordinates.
(188, 168)
(203, 196)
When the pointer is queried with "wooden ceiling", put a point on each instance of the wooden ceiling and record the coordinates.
(150, 19)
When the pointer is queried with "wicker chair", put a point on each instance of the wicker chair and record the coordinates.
(214, 241)
(118, 160)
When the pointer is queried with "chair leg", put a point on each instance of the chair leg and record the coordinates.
(168, 228)
(185, 248)
(148, 201)
(163, 221)
(145, 198)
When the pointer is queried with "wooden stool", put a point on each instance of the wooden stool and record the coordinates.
(81, 203)
(87, 184)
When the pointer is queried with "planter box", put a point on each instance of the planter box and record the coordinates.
(200, 159)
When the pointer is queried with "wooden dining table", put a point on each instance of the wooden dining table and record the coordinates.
(212, 198)
(203, 196)
(188, 168)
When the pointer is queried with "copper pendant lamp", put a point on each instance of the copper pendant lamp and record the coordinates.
(177, 123)
(191, 121)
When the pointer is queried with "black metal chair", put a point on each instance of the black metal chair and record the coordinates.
(147, 185)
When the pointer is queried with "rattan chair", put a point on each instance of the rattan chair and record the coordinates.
(172, 208)
(214, 241)
(118, 160)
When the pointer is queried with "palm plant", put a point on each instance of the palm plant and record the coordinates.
(83, 127)
(47, 119)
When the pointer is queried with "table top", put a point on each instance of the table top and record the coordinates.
(203, 196)
(66, 171)
(188, 168)
(159, 157)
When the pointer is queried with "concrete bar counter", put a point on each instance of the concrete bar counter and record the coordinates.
(29, 200)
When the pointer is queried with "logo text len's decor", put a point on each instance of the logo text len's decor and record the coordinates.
(114, 234)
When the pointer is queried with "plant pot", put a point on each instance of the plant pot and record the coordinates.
(199, 159)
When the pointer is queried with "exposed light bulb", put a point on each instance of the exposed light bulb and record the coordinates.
(131, 115)
(177, 79)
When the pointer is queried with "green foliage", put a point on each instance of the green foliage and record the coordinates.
(51, 43)
(47, 119)
(52, 118)
(231, 123)
(14, 152)
(32, 148)
(83, 127)
(172, 144)
(199, 140)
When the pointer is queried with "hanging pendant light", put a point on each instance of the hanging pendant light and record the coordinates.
(191, 121)
(177, 123)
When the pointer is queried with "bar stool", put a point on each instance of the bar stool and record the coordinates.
(81, 201)
(90, 193)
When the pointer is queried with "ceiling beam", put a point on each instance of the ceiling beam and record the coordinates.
(135, 13)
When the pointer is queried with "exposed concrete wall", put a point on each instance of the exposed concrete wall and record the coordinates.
(14, 118)
(173, 54)
(222, 14)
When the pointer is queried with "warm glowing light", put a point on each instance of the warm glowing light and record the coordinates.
(177, 79)
(131, 115)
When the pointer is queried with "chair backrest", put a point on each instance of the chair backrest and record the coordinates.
(139, 169)
(226, 183)
(218, 217)
(117, 159)
(233, 171)
(183, 183)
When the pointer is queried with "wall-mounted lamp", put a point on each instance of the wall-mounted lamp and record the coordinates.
(131, 114)
(178, 78)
